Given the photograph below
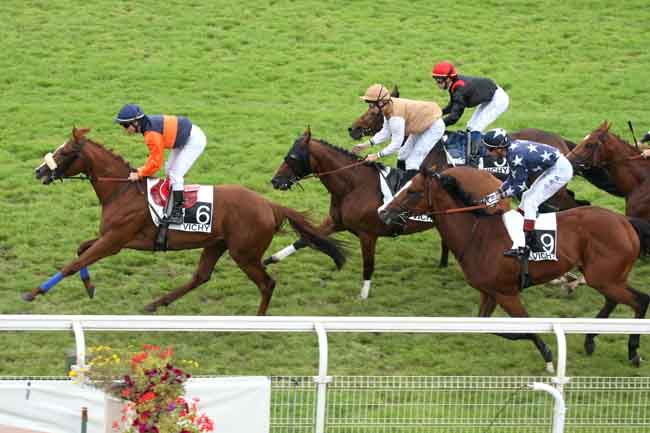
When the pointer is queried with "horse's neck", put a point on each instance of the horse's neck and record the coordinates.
(627, 174)
(103, 163)
(345, 179)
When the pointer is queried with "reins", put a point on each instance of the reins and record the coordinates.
(325, 173)
(458, 210)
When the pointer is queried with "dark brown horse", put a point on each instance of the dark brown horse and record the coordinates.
(355, 196)
(244, 222)
(604, 245)
(624, 164)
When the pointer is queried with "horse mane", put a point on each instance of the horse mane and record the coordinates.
(112, 153)
(377, 165)
(453, 187)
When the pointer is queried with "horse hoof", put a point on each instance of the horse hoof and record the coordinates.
(550, 368)
(636, 360)
(28, 297)
(151, 308)
(91, 291)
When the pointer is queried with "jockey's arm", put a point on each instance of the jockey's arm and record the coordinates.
(455, 109)
(154, 142)
(396, 126)
(515, 183)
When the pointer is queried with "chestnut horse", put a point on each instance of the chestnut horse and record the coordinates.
(244, 222)
(628, 170)
(355, 196)
(604, 245)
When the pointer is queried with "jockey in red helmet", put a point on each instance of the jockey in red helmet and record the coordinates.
(468, 92)
(177, 133)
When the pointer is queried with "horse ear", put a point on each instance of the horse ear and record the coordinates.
(605, 126)
(395, 92)
(307, 133)
(78, 133)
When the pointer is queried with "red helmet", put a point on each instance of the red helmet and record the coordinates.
(443, 70)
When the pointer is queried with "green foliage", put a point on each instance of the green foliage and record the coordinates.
(253, 76)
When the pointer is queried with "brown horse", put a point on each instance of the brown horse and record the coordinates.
(355, 196)
(244, 222)
(604, 245)
(628, 170)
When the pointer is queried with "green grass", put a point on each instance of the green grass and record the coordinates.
(253, 75)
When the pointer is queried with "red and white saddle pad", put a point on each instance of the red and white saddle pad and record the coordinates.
(198, 208)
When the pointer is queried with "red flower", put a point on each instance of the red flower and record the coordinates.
(138, 358)
(166, 353)
(126, 392)
(146, 397)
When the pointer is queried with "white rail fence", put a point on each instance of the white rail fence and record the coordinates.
(411, 404)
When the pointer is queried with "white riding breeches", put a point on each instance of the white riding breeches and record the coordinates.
(488, 112)
(181, 160)
(417, 146)
(547, 184)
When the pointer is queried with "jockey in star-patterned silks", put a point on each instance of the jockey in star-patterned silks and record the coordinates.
(525, 158)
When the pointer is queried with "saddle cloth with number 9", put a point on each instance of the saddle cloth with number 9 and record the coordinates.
(546, 234)
(197, 214)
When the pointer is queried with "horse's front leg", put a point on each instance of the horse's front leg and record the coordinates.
(368, 243)
(105, 246)
(83, 272)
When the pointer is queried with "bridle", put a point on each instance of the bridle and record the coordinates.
(298, 162)
(582, 163)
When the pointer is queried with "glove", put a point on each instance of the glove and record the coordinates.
(492, 199)
(359, 147)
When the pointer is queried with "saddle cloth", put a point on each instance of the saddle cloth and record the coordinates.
(391, 181)
(198, 207)
(545, 234)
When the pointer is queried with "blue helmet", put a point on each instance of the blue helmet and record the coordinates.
(497, 138)
(129, 113)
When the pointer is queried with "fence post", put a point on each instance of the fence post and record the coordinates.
(322, 379)
(81, 345)
(559, 409)
(560, 379)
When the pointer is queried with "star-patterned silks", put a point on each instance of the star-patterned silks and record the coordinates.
(526, 157)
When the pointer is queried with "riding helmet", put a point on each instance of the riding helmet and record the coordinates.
(443, 70)
(375, 93)
(129, 113)
(497, 138)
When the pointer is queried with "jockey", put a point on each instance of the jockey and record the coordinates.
(420, 120)
(468, 92)
(524, 158)
(177, 133)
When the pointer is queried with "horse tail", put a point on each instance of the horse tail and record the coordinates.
(642, 228)
(310, 234)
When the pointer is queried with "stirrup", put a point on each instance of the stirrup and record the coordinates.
(176, 216)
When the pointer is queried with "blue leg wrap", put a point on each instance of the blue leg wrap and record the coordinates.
(51, 282)
(83, 273)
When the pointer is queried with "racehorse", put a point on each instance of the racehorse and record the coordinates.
(244, 222)
(604, 245)
(355, 195)
(628, 170)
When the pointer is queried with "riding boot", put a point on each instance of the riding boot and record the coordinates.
(175, 216)
(473, 144)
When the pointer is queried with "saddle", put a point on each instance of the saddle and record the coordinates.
(160, 193)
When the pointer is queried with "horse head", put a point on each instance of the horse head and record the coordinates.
(371, 121)
(296, 164)
(66, 160)
(598, 148)
(415, 198)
